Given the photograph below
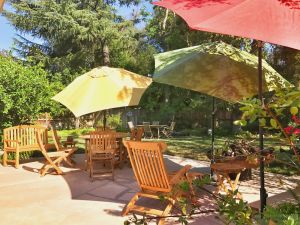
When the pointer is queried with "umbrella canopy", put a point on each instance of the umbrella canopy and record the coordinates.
(274, 21)
(103, 88)
(216, 69)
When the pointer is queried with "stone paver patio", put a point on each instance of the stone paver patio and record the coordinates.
(27, 198)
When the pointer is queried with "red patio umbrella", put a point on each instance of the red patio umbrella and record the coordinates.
(274, 21)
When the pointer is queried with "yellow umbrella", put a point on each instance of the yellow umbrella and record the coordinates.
(103, 88)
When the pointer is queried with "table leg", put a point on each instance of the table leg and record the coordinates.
(220, 184)
(233, 185)
(86, 154)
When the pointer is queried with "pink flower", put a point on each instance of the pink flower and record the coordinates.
(296, 119)
(296, 131)
(288, 130)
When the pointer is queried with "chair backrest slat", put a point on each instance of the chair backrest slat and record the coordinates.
(172, 126)
(146, 126)
(136, 134)
(130, 125)
(56, 140)
(25, 135)
(148, 166)
(102, 140)
(155, 122)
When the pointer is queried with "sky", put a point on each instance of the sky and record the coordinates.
(7, 32)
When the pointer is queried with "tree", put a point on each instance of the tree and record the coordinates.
(77, 35)
(24, 93)
(286, 61)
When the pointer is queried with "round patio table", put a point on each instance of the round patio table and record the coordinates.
(222, 170)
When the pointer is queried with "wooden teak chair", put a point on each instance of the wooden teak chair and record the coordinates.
(70, 142)
(136, 134)
(149, 169)
(169, 130)
(53, 159)
(147, 130)
(102, 148)
(59, 147)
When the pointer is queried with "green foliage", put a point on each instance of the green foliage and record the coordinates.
(25, 93)
(284, 214)
(235, 210)
(205, 180)
(114, 120)
(78, 36)
(273, 115)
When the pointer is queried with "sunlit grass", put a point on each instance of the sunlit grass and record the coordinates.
(196, 147)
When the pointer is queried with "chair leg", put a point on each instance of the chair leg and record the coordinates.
(4, 158)
(112, 168)
(127, 207)
(69, 161)
(49, 165)
(161, 221)
(91, 170)
(17, 159)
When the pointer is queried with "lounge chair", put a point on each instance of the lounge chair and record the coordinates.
(149, 169)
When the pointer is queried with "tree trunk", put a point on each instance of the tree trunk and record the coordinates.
(97, 116)
(105, 52)
(165, 20)
(77, 122)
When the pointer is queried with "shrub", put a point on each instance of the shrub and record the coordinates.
(24, 93)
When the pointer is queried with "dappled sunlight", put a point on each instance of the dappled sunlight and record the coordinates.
(216, 69)
(106, 198)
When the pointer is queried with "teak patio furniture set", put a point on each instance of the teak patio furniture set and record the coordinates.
(146, 159)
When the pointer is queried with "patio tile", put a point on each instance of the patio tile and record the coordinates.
(74, 199)
(108, 190)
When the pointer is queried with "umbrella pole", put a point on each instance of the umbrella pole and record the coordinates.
(213, 132)
(104, 119)
(263, 193)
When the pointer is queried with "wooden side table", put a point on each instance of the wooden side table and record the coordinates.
(222, 170)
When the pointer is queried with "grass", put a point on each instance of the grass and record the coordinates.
(195, 147)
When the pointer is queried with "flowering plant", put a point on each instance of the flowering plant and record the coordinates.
(272, 113)
(293, 129)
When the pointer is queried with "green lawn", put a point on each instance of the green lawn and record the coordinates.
(196, 147)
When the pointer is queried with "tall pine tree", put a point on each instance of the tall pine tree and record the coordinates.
(76, 35)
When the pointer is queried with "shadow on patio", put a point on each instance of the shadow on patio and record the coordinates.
(74, 199)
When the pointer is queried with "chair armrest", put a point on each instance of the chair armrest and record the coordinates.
(179, 174)
(7, 141)
(163, 145)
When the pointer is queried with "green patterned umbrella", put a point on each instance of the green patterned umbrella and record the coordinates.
(216, 69)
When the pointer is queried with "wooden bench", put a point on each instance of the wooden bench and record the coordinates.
(22, 138)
